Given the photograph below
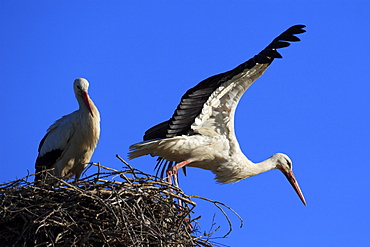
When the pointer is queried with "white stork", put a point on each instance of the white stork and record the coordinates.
(70, 142)
(201, 130)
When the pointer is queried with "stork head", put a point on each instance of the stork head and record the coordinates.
(81, 86)
(284, 164)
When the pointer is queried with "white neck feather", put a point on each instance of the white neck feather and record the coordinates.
(266, 165)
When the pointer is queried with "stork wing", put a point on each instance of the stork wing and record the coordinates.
(222, 92)
(193, 101)
(54, 143)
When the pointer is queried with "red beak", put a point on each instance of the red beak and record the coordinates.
(293, 181)
(86, 99)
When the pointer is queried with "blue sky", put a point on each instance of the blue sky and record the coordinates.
(141, 56)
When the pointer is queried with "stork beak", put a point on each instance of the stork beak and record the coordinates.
(293, 181)
(85, 98)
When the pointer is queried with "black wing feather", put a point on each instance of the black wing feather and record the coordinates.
(157, 131)
(46, 162)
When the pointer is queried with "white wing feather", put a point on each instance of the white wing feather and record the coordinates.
(59, 134)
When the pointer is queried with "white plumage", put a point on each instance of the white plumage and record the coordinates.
(70, 142)
(201, 130)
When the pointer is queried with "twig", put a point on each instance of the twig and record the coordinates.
(217, 204)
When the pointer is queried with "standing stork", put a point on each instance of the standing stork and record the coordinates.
(70, 142)
(201, 130)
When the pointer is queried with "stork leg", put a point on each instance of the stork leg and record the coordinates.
(77, 177)
(172, 171)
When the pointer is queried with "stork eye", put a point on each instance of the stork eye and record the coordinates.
(288, 163)
(78, 87)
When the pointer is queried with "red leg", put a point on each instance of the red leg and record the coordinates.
(173, 170)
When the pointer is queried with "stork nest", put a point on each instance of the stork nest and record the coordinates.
(99, 210)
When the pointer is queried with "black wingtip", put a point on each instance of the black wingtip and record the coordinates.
(287, 35)
(297, 29)
(269, 53)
